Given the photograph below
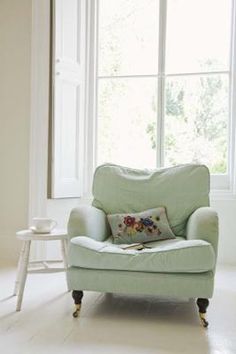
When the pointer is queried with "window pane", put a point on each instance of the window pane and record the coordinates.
(198, 35)
(196, 121)
(128, 37)
(127, 122)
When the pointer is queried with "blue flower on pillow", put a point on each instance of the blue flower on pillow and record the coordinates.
(147, 222)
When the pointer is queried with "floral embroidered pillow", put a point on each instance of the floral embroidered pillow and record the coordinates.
(146, 226)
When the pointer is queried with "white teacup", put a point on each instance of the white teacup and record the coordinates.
(43, 224)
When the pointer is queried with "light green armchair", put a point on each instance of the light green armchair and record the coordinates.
(183, 267)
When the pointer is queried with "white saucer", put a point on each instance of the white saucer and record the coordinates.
(35, 231)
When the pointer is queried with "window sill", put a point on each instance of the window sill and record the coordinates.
(222, 194)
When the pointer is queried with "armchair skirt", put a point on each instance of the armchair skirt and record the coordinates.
(180, 285)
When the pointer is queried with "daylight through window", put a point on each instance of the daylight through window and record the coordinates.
(163, 81)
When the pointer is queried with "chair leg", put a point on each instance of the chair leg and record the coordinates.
(77, 296)
(64, 248)
(23, 275)
(19, 270)
(202, 306)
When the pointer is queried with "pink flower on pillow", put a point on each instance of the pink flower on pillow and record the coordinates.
(138, 226)
(129, 220)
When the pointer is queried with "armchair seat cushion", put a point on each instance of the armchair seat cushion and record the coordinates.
(170, 256)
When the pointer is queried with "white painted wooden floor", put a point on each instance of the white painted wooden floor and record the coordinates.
(112, 324)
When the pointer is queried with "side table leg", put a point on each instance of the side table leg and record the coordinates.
(23, 274)
(19, 270)
(64, 249)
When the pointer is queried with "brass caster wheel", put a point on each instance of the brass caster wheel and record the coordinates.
(203, 320)
(202, 307)
(75, 314)
(77, 310)
(77, 296)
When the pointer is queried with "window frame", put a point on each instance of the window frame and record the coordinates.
(218, 181)
(221, 185)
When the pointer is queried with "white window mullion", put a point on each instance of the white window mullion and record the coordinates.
(91, 94)
(161, 82)
(232, 103)
(202, 73)
(198, 73)
(96, 65)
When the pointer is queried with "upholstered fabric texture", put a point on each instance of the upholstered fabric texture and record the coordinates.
(185, 285)
(203, 225)
(170, 256)
(146, 226)
(88, 221)
(181, 190)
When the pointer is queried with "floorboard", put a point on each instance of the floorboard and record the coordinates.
(111, 323)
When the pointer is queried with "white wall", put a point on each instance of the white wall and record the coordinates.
(15, 52)
(227, 220)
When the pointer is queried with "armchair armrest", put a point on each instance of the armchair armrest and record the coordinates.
(203, 224)
(88, 221)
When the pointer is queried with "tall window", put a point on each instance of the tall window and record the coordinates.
(142, 83)
(164, 82)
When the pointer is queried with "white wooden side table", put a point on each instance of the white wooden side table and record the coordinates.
(24, 264)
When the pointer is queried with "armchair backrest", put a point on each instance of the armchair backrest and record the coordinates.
(181, 190)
